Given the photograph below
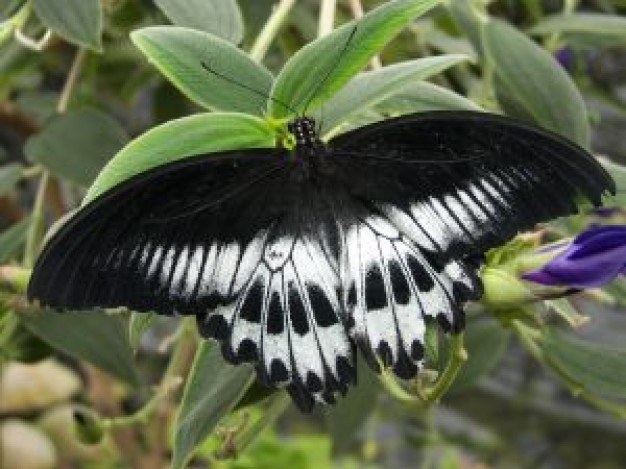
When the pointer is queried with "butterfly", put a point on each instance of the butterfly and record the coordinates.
(294, 259)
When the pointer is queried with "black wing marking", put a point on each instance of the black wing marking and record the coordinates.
(431, 193)
(225, 237)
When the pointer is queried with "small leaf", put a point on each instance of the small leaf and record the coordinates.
(12, 239)
(219, 17)
(597, 368)
(193, 135)
(179, 54)
(318, 70)
(347, 417)
(370, 88)
(485, 342)
(582, 24)
(10, 174)
(77, 144)
(213, 389)
(531, 84)
(424, 96)
(139, 323)
(93, 336)
(78, 21)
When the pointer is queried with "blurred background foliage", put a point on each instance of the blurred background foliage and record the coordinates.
(103, 390)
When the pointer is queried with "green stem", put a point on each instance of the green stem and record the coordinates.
(456, 360)
(37, 223)
(36, 229)
(278, 404)
(270, 30)
(169, 382)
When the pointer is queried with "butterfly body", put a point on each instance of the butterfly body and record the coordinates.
(294, 258)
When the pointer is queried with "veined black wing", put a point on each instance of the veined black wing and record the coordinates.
(235, 238)
(436, 191)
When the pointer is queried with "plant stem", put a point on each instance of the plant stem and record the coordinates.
(327, 17)
(278, 404)
(36, 229)
(270, 30)
(71, 81)
(37, 222)
(456, 360)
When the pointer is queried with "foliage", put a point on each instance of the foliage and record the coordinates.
(95, 92)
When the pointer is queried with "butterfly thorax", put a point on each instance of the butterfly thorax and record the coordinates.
(304, 132)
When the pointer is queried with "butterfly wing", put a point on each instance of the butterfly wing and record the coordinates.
(225, 237)
(435, 191)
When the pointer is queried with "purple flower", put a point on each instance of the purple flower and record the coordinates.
(595, 258)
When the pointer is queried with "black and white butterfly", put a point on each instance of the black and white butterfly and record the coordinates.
(293, 258)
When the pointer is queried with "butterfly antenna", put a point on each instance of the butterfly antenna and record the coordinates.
(330, 71)
(209, 69)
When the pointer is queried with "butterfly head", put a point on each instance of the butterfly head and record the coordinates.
(304, 131)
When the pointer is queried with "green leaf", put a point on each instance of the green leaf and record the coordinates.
(213, 389)
(77, 144)
(531, 84)
(485, 342)
(318, 70)
(370, 88)
(93, 336)
(12, 239)
(618, 173)
(193, 135)
(219, 17)
(582, 24)
(348, 416)
(139, 323)
(597, 368)
(179, 54)
(78, 21)
(464, 15)
(424, 96)
(10, 174)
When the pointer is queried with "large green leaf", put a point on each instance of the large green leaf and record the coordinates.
(239, 84)
(348, 416)
(78, 21)
(597, 368)
(12, 239)
(318, 70)
(531, 84)
(219, 17)
(77, 144)
(9, 175)
(93, 336)
(193, 135)
(424, 96)
(582, 24)
(213, 389)
(370, 88)
(485, 341)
